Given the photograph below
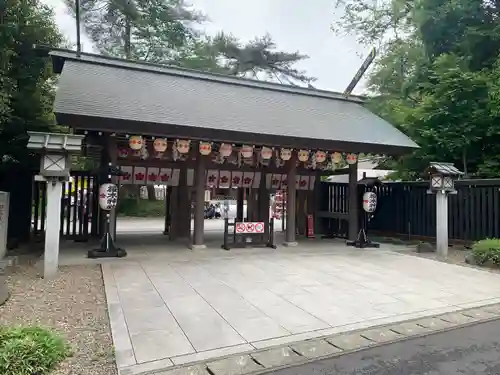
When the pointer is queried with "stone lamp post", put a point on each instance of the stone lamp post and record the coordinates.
(442, 183)
(55, 149)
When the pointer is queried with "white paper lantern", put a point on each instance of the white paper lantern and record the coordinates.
(160, 144)
(285, 154)
(351, 158)
(246, 151)
(303, 155)
(369, 201)
(336, 157)
(320, 156)
(136, 142)
(205, 148)
(266, 153)
(225, 150)
(108, 196)
(183, 146)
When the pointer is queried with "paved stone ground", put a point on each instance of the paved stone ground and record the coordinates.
(175, 307)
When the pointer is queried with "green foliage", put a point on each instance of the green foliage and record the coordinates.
(487, 251)
(141, 208)
(26, 80)
(436, 78)
(163, 31)
(30, 350)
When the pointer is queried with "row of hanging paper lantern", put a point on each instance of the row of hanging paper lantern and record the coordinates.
(137, 142)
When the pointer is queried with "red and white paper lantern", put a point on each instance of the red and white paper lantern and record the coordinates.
(160, 145)
(320, 156)
(336, 157)
(225, 150)
(182, 146)
(285, 154)
(205, 148)
(108, 196)
(303, 155)
(369, 201)
(136, 142)
(122, 152)
(351, 158)
(246, 151)
(266, 153)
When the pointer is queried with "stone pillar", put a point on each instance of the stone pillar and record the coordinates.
(4, 292)
(51, 256)
(442, 224)
(291, 202)
(199, 208)
(353, 202)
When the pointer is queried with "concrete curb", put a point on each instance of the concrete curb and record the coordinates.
(298, 353)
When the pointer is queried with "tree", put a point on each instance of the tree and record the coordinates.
(27, 81)
(436, 78)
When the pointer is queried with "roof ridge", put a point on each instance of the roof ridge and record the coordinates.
(92, 58)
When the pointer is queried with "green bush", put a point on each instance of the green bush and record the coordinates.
(30, 350)
(487, 251)
(141, 208)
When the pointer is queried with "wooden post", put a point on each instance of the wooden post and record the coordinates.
(291, 202)
(353, 201)
(199, 208)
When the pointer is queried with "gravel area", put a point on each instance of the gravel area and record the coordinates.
(75, 305)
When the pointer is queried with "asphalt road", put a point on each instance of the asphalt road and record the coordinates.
(471, 350)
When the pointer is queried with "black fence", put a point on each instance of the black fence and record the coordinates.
(405, 209)
(79, 207)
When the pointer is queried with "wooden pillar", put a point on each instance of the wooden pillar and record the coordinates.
(263, 202)
(353, 202)
(291, 202)
(184, 215)
(199, 208)
(174, 213)
(239, 204)
(168, 206)
(113, 159)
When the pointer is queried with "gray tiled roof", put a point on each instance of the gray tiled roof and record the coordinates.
(115, 89)
(447, 169)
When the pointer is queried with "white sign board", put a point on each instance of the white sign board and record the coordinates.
(4, 220)
(250, 227)
(228, 209)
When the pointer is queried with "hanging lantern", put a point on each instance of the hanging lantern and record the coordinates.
(246, 151)
(369, 201)
(136, 142)
(108, 196)
(336, 157)
(266, 153)
(225, 150)
(205, 148)
(183, 146)
(303, 155)
(351, 158)
(160, 144)
(285, 154)
(122, 152)
(320, 156)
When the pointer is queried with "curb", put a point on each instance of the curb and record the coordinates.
(298, 353)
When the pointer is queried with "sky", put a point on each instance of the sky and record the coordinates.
(333, 59)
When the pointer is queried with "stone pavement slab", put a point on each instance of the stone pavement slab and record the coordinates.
(237, 365)
(276, 357)
(380, 335)
(185, 306)
(351, 341)
(457, 318)
(410, 329)
(315, 348)
(434, 324)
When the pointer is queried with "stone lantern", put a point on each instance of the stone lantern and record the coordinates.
(56, 150)
(442, 183)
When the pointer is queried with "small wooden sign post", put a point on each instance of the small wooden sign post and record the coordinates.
(442, 176)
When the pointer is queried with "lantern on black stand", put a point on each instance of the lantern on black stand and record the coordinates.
(368, 208)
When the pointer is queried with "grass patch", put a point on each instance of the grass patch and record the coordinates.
(30, 350)
(487, 251)
(141, 208)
